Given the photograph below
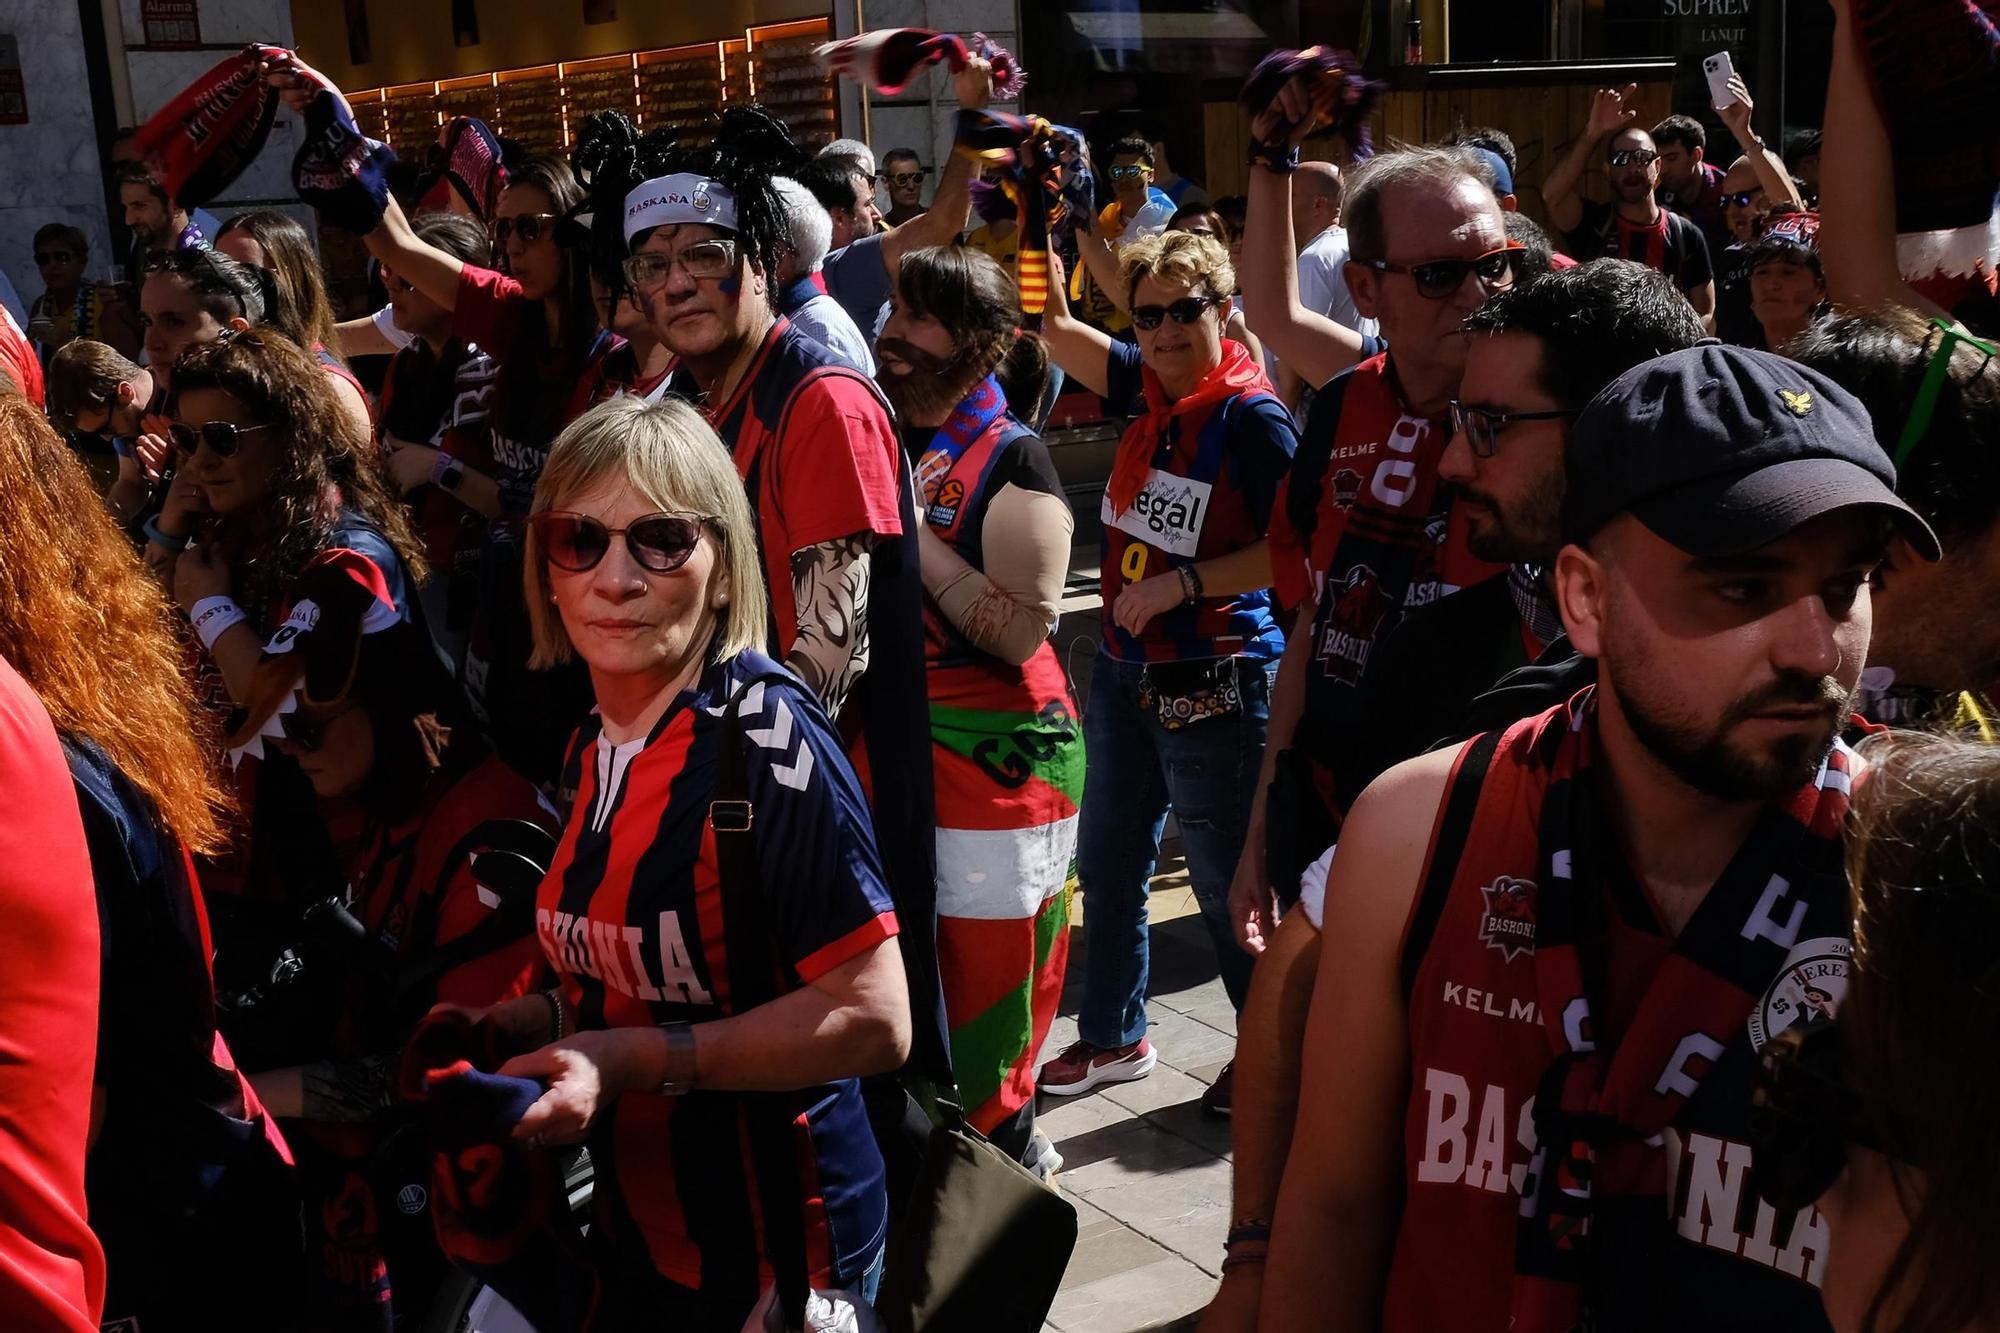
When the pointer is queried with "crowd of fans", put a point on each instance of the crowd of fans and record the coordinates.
(603, 696)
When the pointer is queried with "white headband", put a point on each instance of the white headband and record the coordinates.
(666, 201)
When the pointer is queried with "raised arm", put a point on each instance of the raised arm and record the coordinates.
(1857, 185)
(1770, 168)
(1084, 353)
(952, 201)
(1608, 115)
(1335, 1224)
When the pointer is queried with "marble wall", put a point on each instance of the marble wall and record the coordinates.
(49, 168)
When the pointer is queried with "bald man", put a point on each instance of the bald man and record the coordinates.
(1322, 242)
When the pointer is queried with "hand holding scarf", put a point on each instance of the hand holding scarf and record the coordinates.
(887, 60)
(1028, 151)
(1342, 99)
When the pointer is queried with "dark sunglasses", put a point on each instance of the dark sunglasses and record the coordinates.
(1741, 199)
(660, 543)
(1803, 1115)
(53, 256)
(528, 226)
(1482, 426)
(221, 437)
(1129, 172)
(1184, 311)
(1437, 279)
(1632, 157)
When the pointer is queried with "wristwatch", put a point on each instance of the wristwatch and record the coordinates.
(681, 1057)
(447, 472)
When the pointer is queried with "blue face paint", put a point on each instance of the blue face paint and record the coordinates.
(730, 286)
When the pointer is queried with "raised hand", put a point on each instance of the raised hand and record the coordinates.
(1737, 114)
(1299, 104)
(973, 85)
(1609, 112)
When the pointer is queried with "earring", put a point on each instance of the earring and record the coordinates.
(552, 598)
(722, 599)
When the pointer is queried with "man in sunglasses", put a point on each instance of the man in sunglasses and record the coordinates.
(903, 177)
(1530, 1057)
(1634, 226)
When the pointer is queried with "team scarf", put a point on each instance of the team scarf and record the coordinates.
(1027, 151)
(887, 60)
(1591, 1245)
(340, 171)
(465, 160)
(1238, 374)
(986, 404)
(201, 140)
(1936, 64)
(1341, 94)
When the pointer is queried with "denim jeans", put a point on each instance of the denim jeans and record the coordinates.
(1135, 770)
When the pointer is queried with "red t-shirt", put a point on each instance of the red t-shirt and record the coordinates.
(51, 1266)
(18, 361)
(813, 443)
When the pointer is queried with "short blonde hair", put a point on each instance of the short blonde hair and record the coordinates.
(1177, 259)
(670, 455)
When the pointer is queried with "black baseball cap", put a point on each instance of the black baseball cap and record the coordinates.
(1721, 449)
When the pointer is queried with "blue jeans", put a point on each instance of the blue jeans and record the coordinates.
(1135, 770)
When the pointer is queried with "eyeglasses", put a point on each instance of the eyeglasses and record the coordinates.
(1184, 311)
(1803, 1115)
(53, 256)
(703, 259)
(1632, 157)
(1742, 199)
(660, 543)
(223, 438)
(1130, 172)
(902, 177)
(528, 226)
(1482, 426)
(1437, 279)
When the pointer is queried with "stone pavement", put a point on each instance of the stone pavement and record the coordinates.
(1147, 1170)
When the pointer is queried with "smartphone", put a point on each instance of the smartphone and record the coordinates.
(1720, 69)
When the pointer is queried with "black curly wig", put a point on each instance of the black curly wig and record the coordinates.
(750, 146)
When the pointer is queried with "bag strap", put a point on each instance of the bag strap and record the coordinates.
(753, 973)
(1460, 804)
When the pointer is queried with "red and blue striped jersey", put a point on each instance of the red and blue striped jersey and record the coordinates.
(632, 917)
(1215, 475)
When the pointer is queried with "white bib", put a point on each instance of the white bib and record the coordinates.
(1168, 513)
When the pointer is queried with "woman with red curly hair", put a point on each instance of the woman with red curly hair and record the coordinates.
(185, 1171)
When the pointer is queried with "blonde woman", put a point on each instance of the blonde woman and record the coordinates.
(642, 561)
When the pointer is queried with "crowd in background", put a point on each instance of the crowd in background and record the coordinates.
(602, 694)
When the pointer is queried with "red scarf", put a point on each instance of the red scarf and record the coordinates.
(1594, 1225)
(1238, 374)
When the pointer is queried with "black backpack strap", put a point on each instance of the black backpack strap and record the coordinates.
(1461, 801)
(513, 919)
(754, 969)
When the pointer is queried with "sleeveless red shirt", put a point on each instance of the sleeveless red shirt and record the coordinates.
(1478, 1050)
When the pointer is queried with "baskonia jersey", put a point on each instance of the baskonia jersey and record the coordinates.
(1478, 1050)
(1672, 244)
(632, 918)
(1215, 474)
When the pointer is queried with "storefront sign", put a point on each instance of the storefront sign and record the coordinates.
(171, 24)
(13, 92)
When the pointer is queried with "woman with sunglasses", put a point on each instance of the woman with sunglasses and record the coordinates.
(273, 480)
(300, 309)
(1887, 1119)
(643, 563)
(1180, 693)
(185, 1170)
(440, 846)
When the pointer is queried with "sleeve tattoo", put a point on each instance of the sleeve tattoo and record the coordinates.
(830, 591)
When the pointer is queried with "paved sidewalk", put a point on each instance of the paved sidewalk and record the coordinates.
(1147, 1170)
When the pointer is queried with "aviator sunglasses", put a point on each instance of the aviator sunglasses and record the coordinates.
(1632, 157)
(223, 438)
(1184, 311)
(528, 226)
(1439, 278)
(660, 543)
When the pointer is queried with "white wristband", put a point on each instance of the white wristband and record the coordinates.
(213, 615)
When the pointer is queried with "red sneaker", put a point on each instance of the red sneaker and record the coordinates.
(1082, 1067)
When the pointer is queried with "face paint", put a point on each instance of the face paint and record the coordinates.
(730, 286)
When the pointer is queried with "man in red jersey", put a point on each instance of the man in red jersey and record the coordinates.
(1528, 1062)
(51, 1266)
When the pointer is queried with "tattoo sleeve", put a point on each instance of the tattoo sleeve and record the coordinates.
(830, 591)
(345, 1091)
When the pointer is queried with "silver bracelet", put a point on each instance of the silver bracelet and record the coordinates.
(554, 996)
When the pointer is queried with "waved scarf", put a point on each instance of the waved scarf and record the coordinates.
(1937, 71)
(465, 159)
(1591, 1245)
(340, 171)
(888, 59)
(1028, 152)
(1340, 93)
(201, 140)
(1239, 373)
